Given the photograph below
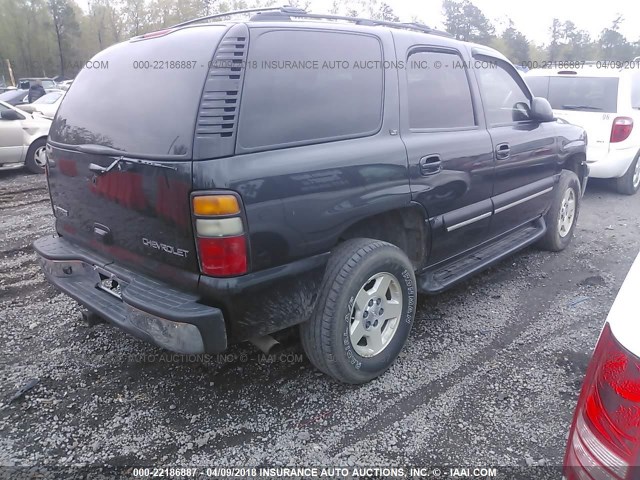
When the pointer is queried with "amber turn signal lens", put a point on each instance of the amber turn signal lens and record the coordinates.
(216, 205)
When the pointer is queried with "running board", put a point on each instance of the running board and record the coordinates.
(442, 276)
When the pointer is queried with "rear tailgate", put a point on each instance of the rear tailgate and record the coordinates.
(587, 101)
(120, 151)
(598, 127)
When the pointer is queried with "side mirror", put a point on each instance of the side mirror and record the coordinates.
(10, 115)
(541, 110)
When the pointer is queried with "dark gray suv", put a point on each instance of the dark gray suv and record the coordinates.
(298, 169)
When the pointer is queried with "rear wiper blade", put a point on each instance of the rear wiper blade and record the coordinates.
(95, 168)
(102, 150)
(580, 107)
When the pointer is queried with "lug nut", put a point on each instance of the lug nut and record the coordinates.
(379, 301)
(381, 311)
(371, 302)
(365, 314)
(367, 325)
(375, 324)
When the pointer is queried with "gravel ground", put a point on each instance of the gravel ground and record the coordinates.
(490, 375)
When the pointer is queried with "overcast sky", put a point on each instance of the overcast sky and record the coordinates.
(532, 17)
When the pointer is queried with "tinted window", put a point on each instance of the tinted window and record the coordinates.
(12, 95)
(438, 97)
(539, 86)
(504, 100)
(296, 93)
(635, 90)
(581, 93)
(140, 103)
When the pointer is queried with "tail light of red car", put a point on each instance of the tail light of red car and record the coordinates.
(604, 440)
(220, 235)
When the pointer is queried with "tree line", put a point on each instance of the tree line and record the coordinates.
(57, 37)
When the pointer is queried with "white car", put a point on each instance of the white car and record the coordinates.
(604, 439)
(606, 103)
(47, 105)
(23, 139)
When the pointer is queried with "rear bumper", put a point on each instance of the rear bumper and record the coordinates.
(613, 165)
(144, 307)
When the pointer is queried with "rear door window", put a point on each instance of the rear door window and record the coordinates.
(308, 86)
(438, 97)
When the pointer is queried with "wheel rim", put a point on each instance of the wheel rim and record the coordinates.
(567, 212)
(40, 157)
(636, 175)
(376, 314)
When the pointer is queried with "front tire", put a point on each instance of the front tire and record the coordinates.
(364, 313)
(563, 214)
(629, 183)
(37, 156)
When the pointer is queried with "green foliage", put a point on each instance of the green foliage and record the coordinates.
(566, 41)
(52, 37)
(466, 22)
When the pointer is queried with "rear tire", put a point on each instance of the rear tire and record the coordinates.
(562, 216)
(350, 336)
(629, 183)
(37, 156)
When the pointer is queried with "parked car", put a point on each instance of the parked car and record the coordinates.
(606, 102)
(15, 97)
(64, 85)
(23, 139)
(604, 440)
(287, 194)
(47, 83)
(46, 105)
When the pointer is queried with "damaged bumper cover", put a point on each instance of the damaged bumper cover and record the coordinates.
(142, 306)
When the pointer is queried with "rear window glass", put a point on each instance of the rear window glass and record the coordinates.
(539, 86)
(597, 94)
(141, 96)
(635, 90)
(309, 87)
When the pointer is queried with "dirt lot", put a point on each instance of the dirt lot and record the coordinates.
(490, 375)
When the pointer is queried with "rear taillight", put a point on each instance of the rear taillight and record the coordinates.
(622, 127)
(604, 441)
(220, 235)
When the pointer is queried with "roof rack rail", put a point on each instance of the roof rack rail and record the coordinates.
(288, 12)
(226, 14)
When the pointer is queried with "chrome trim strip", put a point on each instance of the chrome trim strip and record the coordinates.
(522, 200)
(468, 222)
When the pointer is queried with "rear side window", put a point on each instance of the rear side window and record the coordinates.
(596, 94)
(305, 86)
(438, 97)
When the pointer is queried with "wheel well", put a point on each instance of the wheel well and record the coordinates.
(405, 228)
(576, 163)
